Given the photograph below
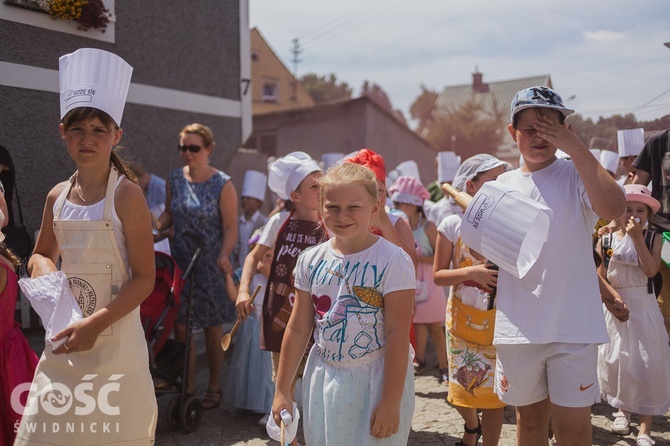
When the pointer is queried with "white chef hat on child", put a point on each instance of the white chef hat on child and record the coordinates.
(287, 173)
(609, 160)
(447, 165)
(408, 168)
(254, 185)
(90, 77)
(469, 169)
(330, 159)
(630, 142)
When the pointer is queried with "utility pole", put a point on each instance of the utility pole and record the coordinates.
(295, 51)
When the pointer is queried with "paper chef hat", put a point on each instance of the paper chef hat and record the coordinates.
(630, 142)
(609, 160)
(90, 77)
(330, 159)
(287, 173)
(254, 185)
(409, 168)
(447, 165)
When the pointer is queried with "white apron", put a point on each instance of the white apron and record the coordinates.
(103, 396)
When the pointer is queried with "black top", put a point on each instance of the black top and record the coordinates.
(655, 160)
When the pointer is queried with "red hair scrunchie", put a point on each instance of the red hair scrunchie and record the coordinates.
(371, 160)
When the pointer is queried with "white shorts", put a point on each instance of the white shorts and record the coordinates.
(529, 373)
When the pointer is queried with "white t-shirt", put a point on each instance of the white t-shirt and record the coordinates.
(450, 227)
(271, 230)
(346, 293)
(558, 300)
(441, 210)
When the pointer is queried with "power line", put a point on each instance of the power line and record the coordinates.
(353, 25)
(361, 8)
(451, 19)
(644, 105)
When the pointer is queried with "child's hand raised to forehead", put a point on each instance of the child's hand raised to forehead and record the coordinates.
(549, 129)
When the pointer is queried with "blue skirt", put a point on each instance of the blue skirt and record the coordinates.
(336, 396)
(249, 383)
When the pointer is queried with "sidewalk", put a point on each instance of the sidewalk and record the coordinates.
(435, 422)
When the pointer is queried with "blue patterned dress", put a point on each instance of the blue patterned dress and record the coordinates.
(195, 208)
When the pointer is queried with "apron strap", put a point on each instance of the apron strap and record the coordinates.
(60, 201)
(109, 195)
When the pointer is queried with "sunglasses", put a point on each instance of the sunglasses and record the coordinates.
(192, 149)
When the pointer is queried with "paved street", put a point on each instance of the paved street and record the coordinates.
(435, 422)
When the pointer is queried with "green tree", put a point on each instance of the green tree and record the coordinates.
(423, 108)
(468, 130)
(657, 124)
(325, 89)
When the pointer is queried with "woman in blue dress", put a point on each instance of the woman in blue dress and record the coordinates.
(203, 200)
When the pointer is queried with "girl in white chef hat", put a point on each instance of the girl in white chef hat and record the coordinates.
(99, 225)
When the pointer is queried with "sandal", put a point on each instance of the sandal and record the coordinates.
(419, 366)
(212, 399)
(477, 431)
(443, 376)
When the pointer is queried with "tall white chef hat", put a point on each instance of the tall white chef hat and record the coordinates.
(90, 77)
(409, 168)
(287, 173)
(447, 165)
(609, 160)
(630, 142)
(254, 185)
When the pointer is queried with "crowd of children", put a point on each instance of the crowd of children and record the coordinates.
(355, 278)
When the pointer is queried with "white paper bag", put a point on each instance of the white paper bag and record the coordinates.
(51, 298)
(290, 427)
(506, 227)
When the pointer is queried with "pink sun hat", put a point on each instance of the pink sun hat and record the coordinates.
(409, 190)
(639, 193)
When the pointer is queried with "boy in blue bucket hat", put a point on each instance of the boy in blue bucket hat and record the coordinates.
(549, 324)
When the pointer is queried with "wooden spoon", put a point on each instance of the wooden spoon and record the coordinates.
(225, 340)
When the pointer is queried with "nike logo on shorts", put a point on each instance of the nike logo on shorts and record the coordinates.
(583, 388)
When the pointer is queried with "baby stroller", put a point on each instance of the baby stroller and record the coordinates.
(169, 359)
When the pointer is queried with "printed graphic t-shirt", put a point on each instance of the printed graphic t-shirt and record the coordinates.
(348, 291)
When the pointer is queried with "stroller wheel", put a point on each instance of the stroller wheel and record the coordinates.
(190, 414)
(173, 419)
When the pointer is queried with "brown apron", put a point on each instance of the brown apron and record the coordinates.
(293, 237)
(103, 396)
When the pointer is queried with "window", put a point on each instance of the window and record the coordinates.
(28, 12)
(270, 93)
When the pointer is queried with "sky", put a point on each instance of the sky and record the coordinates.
(608, 55)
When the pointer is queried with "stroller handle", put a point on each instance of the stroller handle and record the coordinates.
(196, 254)
(194, 236)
